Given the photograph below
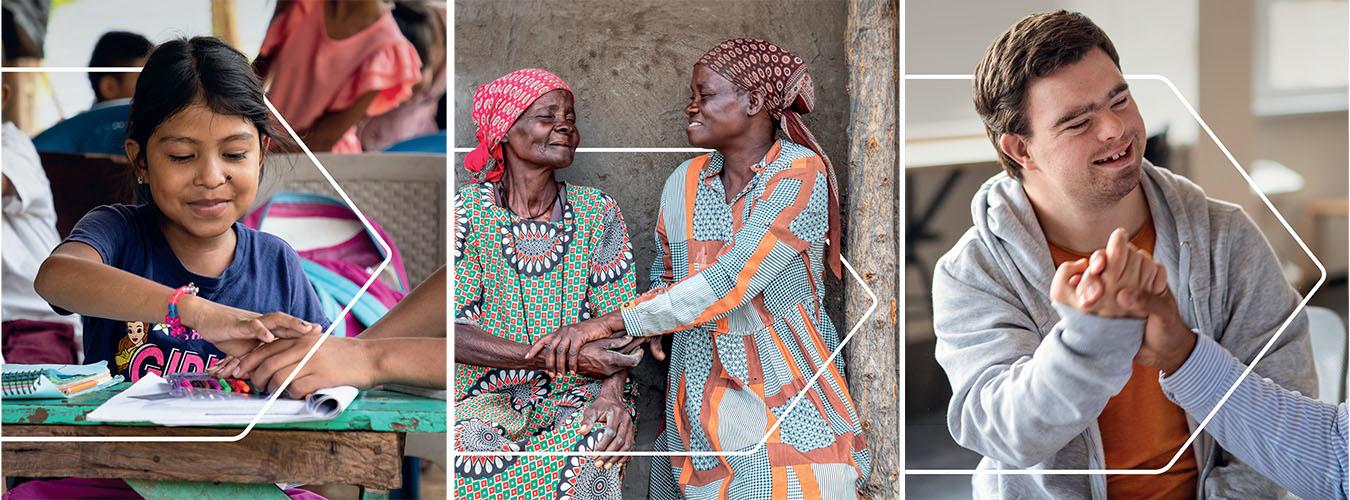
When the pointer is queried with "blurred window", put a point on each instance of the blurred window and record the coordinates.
(1302, 56)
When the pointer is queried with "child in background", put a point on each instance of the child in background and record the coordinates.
(181, 264)
(32, 331)
(117, 49)
(103, 127)
(331, 64)
(424, 25)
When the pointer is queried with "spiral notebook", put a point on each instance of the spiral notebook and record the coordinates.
(54, 381)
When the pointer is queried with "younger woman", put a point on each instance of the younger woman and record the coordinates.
(176, 283)
(744, 236)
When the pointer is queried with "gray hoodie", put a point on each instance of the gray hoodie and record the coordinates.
(1029, 377)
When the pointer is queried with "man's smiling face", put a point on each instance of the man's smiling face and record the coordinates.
(1087, 138)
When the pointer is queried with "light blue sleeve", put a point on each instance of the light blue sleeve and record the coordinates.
(1295, 440)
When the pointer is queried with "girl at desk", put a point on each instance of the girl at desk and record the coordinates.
(175, 283)
(176, 280)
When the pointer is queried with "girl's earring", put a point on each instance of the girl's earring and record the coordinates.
(140, 179)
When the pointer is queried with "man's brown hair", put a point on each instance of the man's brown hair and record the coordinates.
(1036, 46)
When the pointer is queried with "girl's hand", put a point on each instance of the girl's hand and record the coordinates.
(619, 428)
(220, 324)
(561, 347)
(235, 348)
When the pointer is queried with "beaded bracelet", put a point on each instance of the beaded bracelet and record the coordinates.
(172, 320)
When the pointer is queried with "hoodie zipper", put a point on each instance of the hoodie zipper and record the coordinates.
(1096, 460)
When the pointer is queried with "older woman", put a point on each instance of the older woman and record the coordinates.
(742, 242)
(532, 254)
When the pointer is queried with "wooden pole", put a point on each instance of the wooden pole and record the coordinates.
(871, 45)
(223, 21)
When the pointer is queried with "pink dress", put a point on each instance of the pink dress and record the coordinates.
(416, 116)
(313, 74)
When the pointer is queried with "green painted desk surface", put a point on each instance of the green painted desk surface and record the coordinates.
(374, 410)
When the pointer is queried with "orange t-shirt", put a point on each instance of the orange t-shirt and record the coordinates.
(1141, 428)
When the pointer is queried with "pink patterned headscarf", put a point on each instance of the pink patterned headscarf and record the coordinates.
(496, 106)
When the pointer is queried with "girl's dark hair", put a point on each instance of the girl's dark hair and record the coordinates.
(201, 69)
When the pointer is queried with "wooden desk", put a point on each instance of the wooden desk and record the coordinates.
(363, 446)
(81, 182)
(1313, 212)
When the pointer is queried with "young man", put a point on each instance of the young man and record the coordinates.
(1045, 386)
(102, 129)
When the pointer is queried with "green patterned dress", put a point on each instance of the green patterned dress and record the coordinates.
(520, 280)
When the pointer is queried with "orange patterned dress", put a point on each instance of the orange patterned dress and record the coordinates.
(740, 287)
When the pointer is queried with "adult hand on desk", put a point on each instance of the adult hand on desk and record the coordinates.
(236, 331)
(339, 361)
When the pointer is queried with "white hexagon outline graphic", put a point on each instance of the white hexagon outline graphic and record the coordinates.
(634, 453)
(286, 383)
(1259, 355)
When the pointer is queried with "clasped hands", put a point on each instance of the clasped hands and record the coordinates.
(595, 348)
(598, 348)
(1123, 281)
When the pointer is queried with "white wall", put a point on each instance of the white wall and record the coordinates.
(75, 27)
(1152, 37)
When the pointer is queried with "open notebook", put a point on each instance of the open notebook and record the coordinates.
(54, 381)
(147, 401)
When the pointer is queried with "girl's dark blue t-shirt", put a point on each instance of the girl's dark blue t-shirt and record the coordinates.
(265, 276)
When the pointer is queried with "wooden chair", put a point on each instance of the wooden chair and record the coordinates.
(81, 182)
(405, 193)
